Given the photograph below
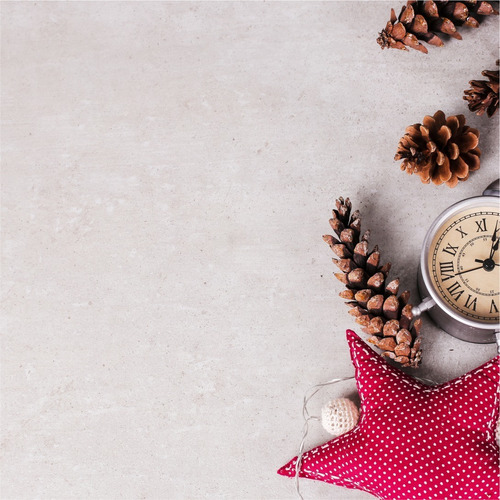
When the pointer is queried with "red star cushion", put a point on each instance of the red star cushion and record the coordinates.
(413, 440)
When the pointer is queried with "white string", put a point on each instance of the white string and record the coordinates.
(426, 381)
(307, 419)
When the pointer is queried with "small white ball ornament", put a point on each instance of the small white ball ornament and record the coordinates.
(339, 416)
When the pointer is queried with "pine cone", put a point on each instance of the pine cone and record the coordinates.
(442, 149)
(374, 302)
(423, 20)
(483, 94)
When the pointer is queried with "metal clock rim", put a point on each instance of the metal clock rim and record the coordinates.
(440, 219)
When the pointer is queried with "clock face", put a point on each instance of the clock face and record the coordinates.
(464, 264)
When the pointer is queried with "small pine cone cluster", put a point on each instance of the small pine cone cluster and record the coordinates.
(440, 150)
(373, 300)
(483, 95)
(424, 20)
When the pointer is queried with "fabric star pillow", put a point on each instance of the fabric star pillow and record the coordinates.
(413, 440)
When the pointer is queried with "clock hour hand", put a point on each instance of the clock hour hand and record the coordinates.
(483, 261)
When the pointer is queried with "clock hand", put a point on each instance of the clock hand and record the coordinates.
(494, 249)
(482, 262)
(494, 246)
(469, 270)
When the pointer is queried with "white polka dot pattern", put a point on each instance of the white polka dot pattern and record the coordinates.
(414, 441)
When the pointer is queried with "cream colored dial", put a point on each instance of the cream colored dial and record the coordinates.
(464, 263)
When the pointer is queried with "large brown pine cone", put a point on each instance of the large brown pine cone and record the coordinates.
(374, 301)
(440, 150)
(483, 94)
(427, 20)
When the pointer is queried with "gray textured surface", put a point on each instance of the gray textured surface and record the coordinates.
(168, 172)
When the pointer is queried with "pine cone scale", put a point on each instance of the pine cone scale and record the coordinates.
(453, 151)
(374, 305)
(453, 124)
(468, 141)
(447, 27)
(419, 25)
(399, 31)
(440, 158)
(443, 135)
(486, 9)
(472, 161)
(458, 11)
(430, 9)
(363, 296)
(461, 168)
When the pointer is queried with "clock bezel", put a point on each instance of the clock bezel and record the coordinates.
(469, 203)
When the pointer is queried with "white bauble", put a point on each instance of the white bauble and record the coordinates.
(339, 416)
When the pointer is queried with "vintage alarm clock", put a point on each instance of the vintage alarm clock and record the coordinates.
(459, 271)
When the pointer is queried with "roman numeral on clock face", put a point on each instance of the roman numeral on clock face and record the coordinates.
(447, 270)
(481, 226)
(455, 291)
(470, 303)
(463, 234)
(493, 307)
(449, 248)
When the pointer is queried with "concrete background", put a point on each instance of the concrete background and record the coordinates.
(168, 172)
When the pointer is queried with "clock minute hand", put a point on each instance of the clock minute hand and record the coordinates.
(494, 246)
(469, 270)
